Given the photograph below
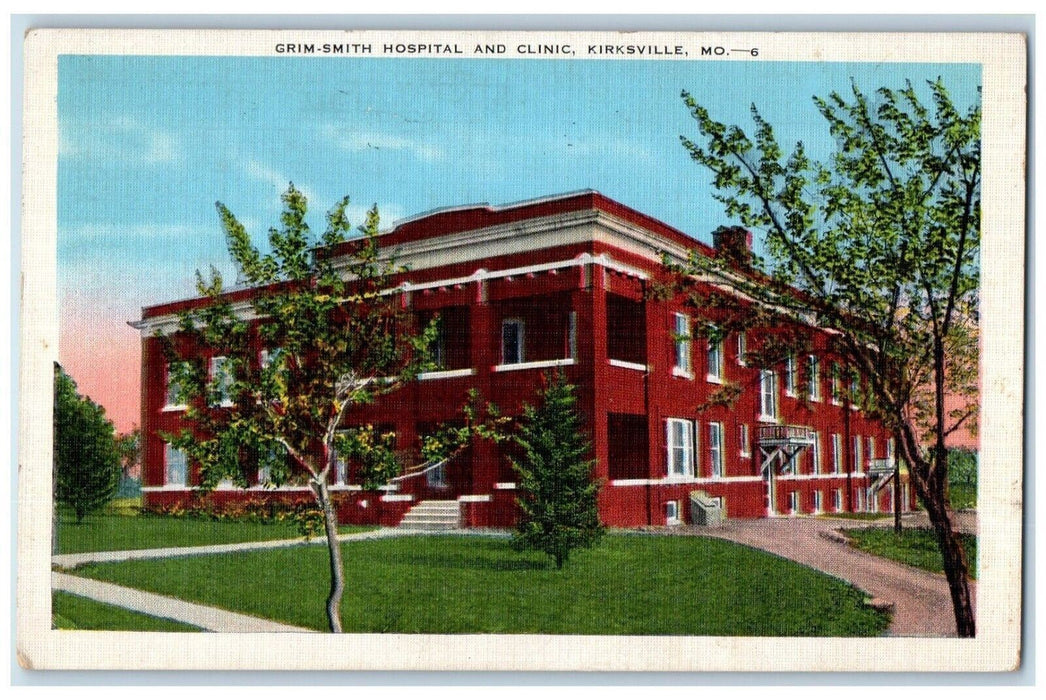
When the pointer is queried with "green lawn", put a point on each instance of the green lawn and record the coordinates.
(459, 584)
(106, 531)
(914, 547)
(71, 612)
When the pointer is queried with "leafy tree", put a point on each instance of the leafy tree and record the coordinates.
(335, 337)
(558, 509)
(129, 447)
(86, 461)
(879, 246)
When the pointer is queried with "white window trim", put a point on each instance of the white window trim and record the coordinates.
(168, 452)
(716, 376)
(539, 364)
(813, 381)
(625, 364)
(837, 453)
(446, 374)
(715, 454)
(212, 372)
(170, 407)
(763, 416)
(689, 450)
(684, 339)
(790, 374)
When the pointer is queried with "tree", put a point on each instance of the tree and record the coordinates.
(558, 509)
(878, 246)
(333, 338)
(86, 461)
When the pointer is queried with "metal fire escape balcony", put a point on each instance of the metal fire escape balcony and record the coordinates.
(880, 471)
(779, 446)
(785, 435)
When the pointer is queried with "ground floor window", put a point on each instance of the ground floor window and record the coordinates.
(680, 447)
(818, 502)
(715, 448)
(860, 500)
(177, 466)
(838, 504)
(793, 502)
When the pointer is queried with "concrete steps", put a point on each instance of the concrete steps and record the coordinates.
(433, 515)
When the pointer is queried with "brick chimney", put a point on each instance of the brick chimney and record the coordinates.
(733, 244)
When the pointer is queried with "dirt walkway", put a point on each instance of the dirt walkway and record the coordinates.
(922, 604)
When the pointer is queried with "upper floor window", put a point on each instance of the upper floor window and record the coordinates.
(767, 395)
(813, 368)
(858, 456)
(745, 440)
(715, 360)
(173, 395)
(681, 341)
(680, 441)
(715, 448)
(742, 348)
(837, 385)
(221, 380)
(511, 341)
(789, 375)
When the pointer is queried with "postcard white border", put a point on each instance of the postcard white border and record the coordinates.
(997, 646)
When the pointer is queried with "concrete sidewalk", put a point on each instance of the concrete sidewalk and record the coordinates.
(202, 616)
(69, 561)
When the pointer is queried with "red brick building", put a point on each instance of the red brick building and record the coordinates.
(562, 282)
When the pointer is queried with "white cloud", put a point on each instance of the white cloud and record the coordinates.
(373, 140)
(265, 173)
(122, 138)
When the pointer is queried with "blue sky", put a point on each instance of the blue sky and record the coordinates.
(148, 144)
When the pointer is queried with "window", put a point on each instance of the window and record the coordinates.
(173, 388)
(715, 448)
(680, 447)
(742, 348)
(858, 456)
(715, 360)
(890, 449)
(871, 448)
(837, 453)
(816, 452)
(793, 502)
(746, 441)
(176, 466)
(789, 378)
(672, 513)
(838, 501)
(837, 390)
(221, 380)
(572, 335)
(681, 340)
(438, 349)
(511, 341)
(767, 395)
(268, 356)
(818, 502)
(814, 378)
(860, 500)
(268, 460)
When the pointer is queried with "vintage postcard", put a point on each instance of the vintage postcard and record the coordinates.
(585, 351)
